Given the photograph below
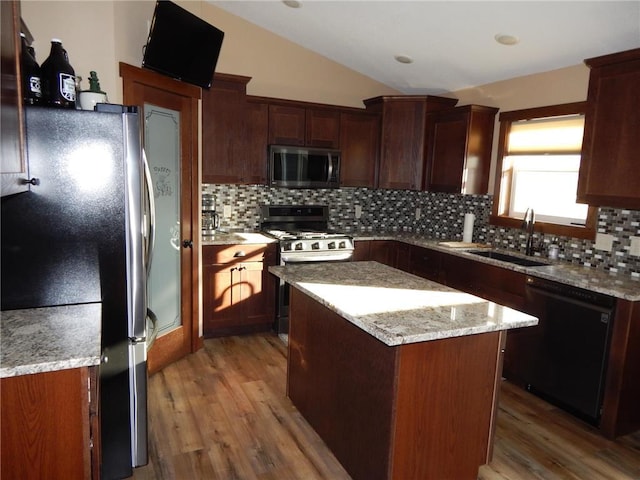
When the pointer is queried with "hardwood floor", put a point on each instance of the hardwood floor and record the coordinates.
(222, 413)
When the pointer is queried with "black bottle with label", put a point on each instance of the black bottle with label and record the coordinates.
(58, 78)
(31, 85)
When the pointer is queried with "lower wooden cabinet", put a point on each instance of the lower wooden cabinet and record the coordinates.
(427, 263)
(620, 414)
(239, 293)
(49, 424)
(500, 285)
(388, 252)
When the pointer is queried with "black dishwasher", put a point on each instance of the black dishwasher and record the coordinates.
(569, 347)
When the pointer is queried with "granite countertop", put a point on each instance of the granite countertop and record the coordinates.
(41, 340)
(614, 284)
(396, 307)
(236, 238)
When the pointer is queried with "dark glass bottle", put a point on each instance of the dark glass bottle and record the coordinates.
(31, 85)
(58, 78)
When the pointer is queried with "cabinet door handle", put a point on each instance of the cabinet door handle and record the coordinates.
(187, 244)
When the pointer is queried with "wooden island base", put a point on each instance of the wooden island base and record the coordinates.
(415, 411)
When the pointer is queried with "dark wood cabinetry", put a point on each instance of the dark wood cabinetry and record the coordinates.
(609, 173)
(234, 133)
(500, 285)
(427, 263)
(322, 128)
(286, 125)
(291, 124)
(458, 156)
(388, 252)
(403, 137)
(383, 251)
(238, 291)
(415, 411)
(48, 423)
(360, 148)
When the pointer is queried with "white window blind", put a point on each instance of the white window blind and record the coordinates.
(542, 162)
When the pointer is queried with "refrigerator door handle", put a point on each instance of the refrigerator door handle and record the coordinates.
(151, 220)
(138, 403)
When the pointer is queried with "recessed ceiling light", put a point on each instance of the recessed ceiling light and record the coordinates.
(403, 59)
(504, 39)
(292, 3)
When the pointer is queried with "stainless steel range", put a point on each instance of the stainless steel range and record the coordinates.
(304, 236)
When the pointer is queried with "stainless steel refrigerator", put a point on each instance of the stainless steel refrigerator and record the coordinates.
(82, 234)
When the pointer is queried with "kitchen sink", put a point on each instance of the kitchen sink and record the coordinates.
(505, 257)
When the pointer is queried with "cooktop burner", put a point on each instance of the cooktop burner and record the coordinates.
(304, 234)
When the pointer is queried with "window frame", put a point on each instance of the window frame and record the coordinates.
(506, 119)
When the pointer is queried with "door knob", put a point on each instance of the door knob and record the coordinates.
(31, 181)
(187, 244)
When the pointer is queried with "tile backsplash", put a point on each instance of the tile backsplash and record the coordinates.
(434, 215)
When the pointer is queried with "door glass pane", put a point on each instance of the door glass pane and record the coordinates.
(162, 145)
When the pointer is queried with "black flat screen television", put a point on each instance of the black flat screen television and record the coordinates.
(181, 45)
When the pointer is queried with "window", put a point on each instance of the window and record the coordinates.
(538, 164)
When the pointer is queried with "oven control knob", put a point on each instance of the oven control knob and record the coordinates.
(342, 245)
(315, 246)
(331, 245)
(298, 246)
(286, 246)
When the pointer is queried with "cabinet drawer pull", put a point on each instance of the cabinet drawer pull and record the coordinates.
(240, 253)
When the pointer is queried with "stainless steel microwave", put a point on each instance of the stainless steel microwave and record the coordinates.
(299, 167)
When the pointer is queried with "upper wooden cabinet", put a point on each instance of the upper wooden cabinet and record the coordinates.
(458, 156)
(291, 124)
(403, 137)
(360, 147)
(609, 168)
(286, 125)
(234, 133)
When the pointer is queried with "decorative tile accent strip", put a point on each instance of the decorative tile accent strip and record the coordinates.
(441, 216)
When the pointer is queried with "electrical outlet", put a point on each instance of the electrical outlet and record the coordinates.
(418, 213)
(358, 209)
(227, 211)
(635, 247)
(604, 241)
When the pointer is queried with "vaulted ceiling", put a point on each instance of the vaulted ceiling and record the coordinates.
(452, 44)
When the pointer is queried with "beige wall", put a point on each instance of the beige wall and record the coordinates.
(565, 85)
(86, 30)
(282, 69)
(100, 34)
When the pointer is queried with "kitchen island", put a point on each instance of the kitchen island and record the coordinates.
(396, 373)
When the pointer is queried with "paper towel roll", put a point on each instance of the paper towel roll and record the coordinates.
(467, 232)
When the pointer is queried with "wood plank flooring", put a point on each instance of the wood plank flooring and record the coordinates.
(222, 413)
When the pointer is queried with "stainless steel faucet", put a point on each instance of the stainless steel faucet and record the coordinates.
(527, 225)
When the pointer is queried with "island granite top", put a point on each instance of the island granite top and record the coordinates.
(397, 307)
(41, 340)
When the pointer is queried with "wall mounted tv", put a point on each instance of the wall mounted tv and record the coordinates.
(181, 45)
